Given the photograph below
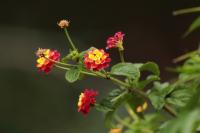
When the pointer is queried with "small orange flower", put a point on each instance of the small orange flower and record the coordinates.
(115, 130)
(142, 108)
(63, 24)
(86, 100)
(96, 59)
(45, 55)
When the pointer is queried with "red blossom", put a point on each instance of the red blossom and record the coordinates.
(44, 62)
(86, 100)
(96, 59)
(115, 41)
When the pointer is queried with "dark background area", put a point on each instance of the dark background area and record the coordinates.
(37, 103)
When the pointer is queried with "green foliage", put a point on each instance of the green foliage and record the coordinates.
(191, 66)
(147, 81)
(109, 104)
(126, 69)
(180, 95)
(153, 70)
(133, 73)
(150, 67)
(72, 56)
(72, 75)
(188, 120)
(149, 124)
(194, 26)
(158, 93)
(135, 101)
(113, 100)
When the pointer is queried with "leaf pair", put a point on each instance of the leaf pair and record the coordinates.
(132, 71)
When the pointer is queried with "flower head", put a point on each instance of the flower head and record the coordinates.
(63, 24)
(96, 59)
(44, 62)
(86, 100)
(115, 41)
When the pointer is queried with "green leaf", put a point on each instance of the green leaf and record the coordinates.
(147, 81)
(126, 69)
(195, 25)
(148, 67)
(113, 100)
(72, 75)
(109, 104)
(187, 122)
(151, 67)
(158, 93)
(180, 95)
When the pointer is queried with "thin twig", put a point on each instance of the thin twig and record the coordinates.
(185, 11)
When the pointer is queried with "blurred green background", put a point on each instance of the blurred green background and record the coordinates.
(38, 103)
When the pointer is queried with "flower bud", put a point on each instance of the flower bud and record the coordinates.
(63, 24)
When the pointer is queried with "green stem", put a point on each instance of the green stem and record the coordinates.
(83, 72)
(63, 68)
(61, 63)
(118, 119)
(121, 55)
(185, 56)
(170, 110)
(132, 113)
(119, 82)
(119, 96)
(185, 11)
(69, 39)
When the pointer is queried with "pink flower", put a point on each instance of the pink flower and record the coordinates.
(115, 41)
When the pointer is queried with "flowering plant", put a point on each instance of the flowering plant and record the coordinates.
(152, 106)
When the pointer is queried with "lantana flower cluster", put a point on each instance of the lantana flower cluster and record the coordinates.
(132, 91)
(46, 59)
(94, 60)
(86, 100)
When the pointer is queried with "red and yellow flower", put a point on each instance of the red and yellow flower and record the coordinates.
(115, 41)
(96, 59)
(46, 56)
(86, 100)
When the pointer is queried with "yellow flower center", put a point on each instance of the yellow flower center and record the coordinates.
(41, 60)
(97, 56)
(47, 53)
